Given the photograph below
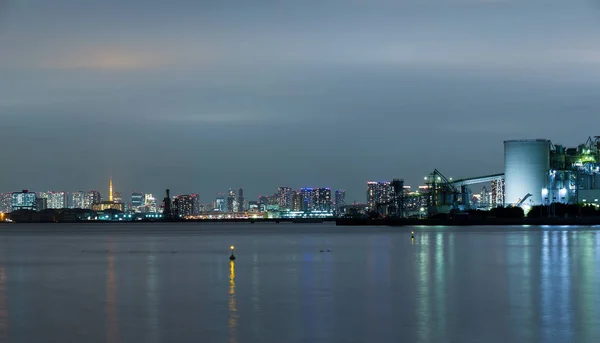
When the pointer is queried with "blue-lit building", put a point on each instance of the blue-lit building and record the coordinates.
(306, 194)
(137, 201)
(220, 204)
(24, 200)
(315, 199)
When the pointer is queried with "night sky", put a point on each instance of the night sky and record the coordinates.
(200, 96)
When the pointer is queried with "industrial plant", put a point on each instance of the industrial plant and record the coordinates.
(536, 172)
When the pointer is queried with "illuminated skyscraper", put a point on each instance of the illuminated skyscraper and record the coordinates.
(150, 203)
(284, 197)
(198, 207)
(231, 201)
(220, 203)
(379, 194)
(296, 201)
(24, 200)
(340, 201)
(57, 200)
(94, 198)
(5, 202)
(321, 199)
(137, 200)
(54, 200)
(185, 205)
(241, 200)
(307, 195)
(77, 200)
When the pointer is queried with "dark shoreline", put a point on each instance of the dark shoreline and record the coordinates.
(584, 221)
(251, 221)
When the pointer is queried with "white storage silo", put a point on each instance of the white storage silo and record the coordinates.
(526, 164)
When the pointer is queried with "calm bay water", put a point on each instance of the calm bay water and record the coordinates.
(175, 283)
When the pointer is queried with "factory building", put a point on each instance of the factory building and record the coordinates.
(538, 172)
(526, 163)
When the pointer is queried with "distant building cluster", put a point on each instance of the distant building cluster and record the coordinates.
(536, 172)
(91, 200)
(285, 202)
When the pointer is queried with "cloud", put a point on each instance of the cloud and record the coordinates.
(104, 59)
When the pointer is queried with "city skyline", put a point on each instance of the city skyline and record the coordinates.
(201, 96)
(126, 196)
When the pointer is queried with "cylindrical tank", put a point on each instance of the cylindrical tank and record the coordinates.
(526, 163)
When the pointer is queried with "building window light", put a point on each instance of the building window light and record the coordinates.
(584, 200)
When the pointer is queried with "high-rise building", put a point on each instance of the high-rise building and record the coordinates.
(307, 195)
(321, 199)
(57, 200)
(379, 194)
(77, 200)
(241, 200)
(150, 203)
(284, 197)
(5, 202)
(24, 200)
(137, 201)
(94, 198)
(54, 200)
(231, 201)
(184, 205)
(340, 201)
(220, 203)
(297, 201)
(197, 205)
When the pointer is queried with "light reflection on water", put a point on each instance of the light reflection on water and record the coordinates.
(440, 283)
(448, 284)
(112, 320)
(423, 309)
(152, 298)
(3, 307)
(256, 294)
(233, 315)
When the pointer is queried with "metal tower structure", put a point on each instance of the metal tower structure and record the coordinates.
(398, 198)
(441, 192)
(110, 190)
(168, 208)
